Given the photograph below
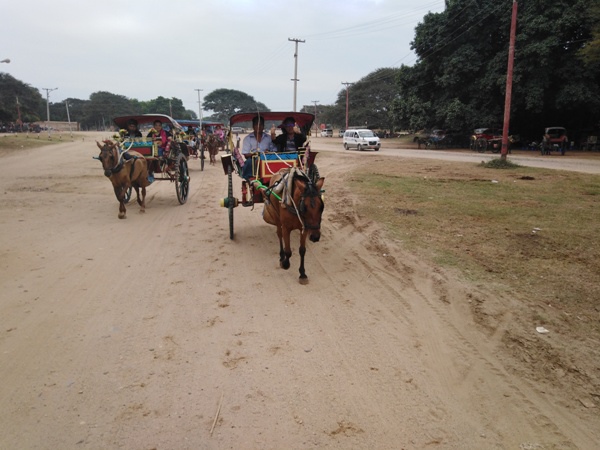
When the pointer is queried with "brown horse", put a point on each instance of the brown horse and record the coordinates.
(213, 143)
(124, 170)
(299, 207)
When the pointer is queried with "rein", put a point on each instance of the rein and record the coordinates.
(300, 210)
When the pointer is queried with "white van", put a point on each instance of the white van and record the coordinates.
(361, 139)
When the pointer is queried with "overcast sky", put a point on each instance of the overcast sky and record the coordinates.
(145, 49)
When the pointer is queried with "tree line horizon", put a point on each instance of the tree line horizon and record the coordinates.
(457, 82)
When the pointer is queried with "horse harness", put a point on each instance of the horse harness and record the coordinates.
(121, 162)
(310, 191)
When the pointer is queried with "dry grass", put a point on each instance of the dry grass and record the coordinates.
(533, 231)
(14, 142)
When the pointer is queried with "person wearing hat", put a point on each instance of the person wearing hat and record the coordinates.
(132, 129)
(290, 140)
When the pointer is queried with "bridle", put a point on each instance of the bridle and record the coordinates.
(119, 164)
(311, 192)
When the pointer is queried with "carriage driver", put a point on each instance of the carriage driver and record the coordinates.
(132, 129)
(257, 141)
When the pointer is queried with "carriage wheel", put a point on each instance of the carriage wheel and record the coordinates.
(313, 173)
(128, 195)
(481, 145)
(202, 157)
(182, 179)
(230, 199)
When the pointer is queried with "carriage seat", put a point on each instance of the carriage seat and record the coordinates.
(272, 163)
(143, 146)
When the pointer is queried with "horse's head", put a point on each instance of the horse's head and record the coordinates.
(109, 156)
(307, 196)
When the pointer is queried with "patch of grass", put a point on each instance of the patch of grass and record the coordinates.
(20, 141)
(531, 230)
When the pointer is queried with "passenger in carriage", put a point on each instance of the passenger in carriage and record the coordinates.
(257, 141)
(158, 133)
(163, 137)
(132, 129)
(219, 133)
(291, 139)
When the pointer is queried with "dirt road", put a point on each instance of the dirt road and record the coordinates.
(158, 332)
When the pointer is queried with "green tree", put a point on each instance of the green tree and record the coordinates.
(460, 75)
(226, 102)
(30, 100)
(590, 53)
(102, 107)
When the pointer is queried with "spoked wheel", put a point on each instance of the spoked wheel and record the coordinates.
(202, 157)
(481, 144)
(182, 179)
(230, 199)
(128, 195)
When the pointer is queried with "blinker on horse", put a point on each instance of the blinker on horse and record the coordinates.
(300, 207)
(124, 173)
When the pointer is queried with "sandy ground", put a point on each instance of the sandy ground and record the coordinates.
(159, 332)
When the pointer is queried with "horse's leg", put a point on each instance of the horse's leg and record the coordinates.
(302, 251)
(143, 203)
(287, 251)
(282, 258)
(137, 194)
(120, 194)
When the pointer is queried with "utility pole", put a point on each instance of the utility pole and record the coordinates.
(295, 79)
(199, 111)
(69, 118)
(316, 123)
(19, 115)
(509, 78)
(170, 108)
(347, 84)
(48, 90)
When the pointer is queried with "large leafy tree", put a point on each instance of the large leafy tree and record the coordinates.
(226, 102)
(460, 76)
(370, 100)
(102, 107)
(30, 100)
(170, 106)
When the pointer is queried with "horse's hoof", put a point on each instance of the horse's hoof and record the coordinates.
(122, 216)
(302, 280)
(142, 210)
(284, 265)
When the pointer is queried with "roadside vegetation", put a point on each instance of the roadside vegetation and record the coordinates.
(526, 236)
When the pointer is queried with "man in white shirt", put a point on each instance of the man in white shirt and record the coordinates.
(257, 141)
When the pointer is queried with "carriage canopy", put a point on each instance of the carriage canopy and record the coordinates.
(304, 120)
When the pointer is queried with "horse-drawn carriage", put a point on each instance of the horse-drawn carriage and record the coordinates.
(168, 163)
(191, 138)
(201, 140)
(287, 182)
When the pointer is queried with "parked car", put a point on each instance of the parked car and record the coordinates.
(555, 139)
(327, 132)
(361, 139)
(341, 133)
(235, 130)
